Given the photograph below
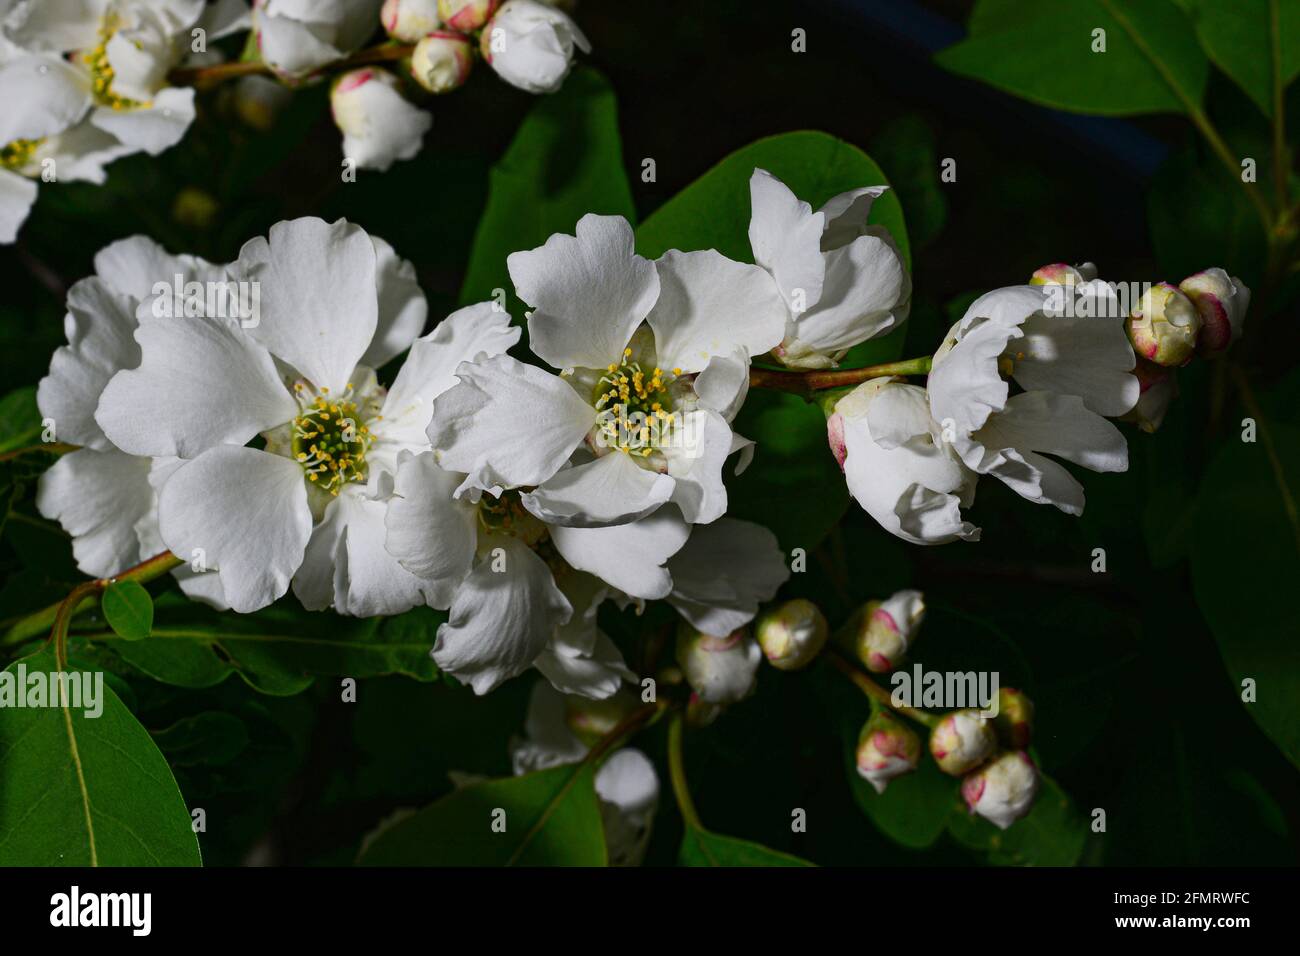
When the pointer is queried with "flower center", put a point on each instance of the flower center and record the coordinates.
(330, 441)
(507, 515)
(19, 153)
(636, 406)
(101, 70)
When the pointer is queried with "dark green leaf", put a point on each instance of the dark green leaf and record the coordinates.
(1053, 833)
(1238, 36)
(209, 738)
(702, 848)
(128, 610)
(20, 419)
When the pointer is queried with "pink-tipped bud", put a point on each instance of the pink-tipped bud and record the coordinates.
(1062, 273)
(1222, 301)
(962, 741)
(1158, 389)
(1164, 326)
(409, 20)
(466, 15)
(721, 670)
(1003, 790)
(441, 61)
(886, 749)
(590, 720)
(885, 630)
(792, 635)
(1015, 720)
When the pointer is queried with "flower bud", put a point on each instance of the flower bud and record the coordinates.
(699, 713)
(409, 20)
(962, 741)
(1221, 300)
(466, 15)
(792, 634)
(1061, 273)
(1158, 387)
(379, 126)
(1164, 326)
(590, 720)
(1015, 719)
(1003, 790)
(721, 670)
(530, 45)
(885, 630)
(441, 61)
(886, 749)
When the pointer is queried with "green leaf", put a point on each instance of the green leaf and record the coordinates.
(1238, 37)
(278, 651)
(1053, 833)
(565, 161)
(906, 148)
(1043, 52)
(914, 808)
(702, 848)
(713, 212)
(128, 610)
(211, 738)
(20, 419)
(551, 817)
(79, 790)
(1245, 564)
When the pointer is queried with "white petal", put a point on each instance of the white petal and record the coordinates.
(709, 305)
(846, 215)
(786, 236)
(432, 534)
(613, 489)
(724, 572)
(246, 512)
(43, 96)
(629, 793)
(589, 292)
(548, 741)
(864, 295)
(61, 25)
(402, 306)
(200, 383)
(597, 675)
(97, 497)
(724, 383)
(17, 196)
(100, 324)
(319, 299)
(153, 128)
(133, 266)
(507, 424)
(628, 556)
(1088, 357)
(500, 620)
(695, 465)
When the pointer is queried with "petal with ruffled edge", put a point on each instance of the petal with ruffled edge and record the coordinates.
(597, 674)
(724, 572)
(500, 621)
(613, 489)
(846, 215)
(631, 556)
(402, 306)
(200, 383)
(319, 298)
(786, 236)
(507, 424)
(246, 512)
(135, 265)
(864, 296)
(431, 534)
(709, 306)
(197, 584)
(97, 497)
(153, 128)
(589, 292)
(724, 383)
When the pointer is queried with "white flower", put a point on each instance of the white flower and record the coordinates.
(298, 37)
(409, 20)
(1222, 301)
(309, 505)
(626, 783)
(522, 593)
(530, 45)
(1074, 370)
(125, 49)
(886, 629)
(722, 574)
(961, 741)
(379, 125)
(842, 280)
(721, 670)
(1003, 790)
(654, 360)
(103, 497)
(897, 465)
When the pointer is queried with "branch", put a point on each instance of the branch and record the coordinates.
(875, 691)
(805, 383)
(209, 75)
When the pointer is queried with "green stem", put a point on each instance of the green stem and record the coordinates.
(877, 693)
(677, 771)
(86, 596)
(1279, 109)
(805, 383)
(87, 590)
(209, 75)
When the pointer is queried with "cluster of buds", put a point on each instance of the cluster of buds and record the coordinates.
(999, 779)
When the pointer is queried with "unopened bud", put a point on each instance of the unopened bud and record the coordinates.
(962, 741)
(1003, 790)
(885, 630)
(1158, 388)
(590, 720)
(700, 713)
(409, 20)
(886, 749)
(721, 670)
(792, 634)
(441, 61)
(466, 15)
(1221, 300)
(1164, 326)
(1015, 720)
(1061, 273)
(530, 45)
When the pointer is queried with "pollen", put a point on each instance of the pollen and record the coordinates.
(19, 153)
(635, 406)
(102, 73)
(330, 442)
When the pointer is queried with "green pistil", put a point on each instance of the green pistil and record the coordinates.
(330, 443)
(19, 153)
